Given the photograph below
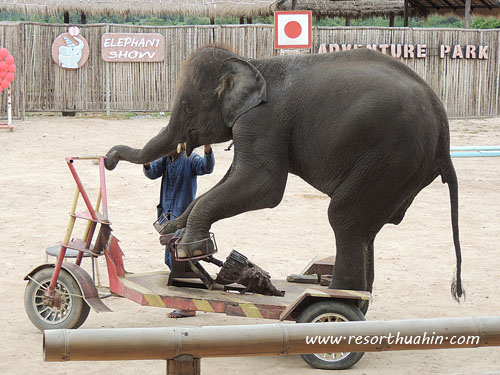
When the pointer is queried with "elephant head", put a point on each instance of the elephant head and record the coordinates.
(71, 54)
(214, 90)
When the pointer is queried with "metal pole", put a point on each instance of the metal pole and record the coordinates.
(9, 108)
(268, 339)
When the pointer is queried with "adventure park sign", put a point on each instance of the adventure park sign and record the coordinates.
(411, 51)
(133, 47)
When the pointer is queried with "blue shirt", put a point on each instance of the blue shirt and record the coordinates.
(178, 184)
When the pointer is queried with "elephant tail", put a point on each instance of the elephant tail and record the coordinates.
(449, 177)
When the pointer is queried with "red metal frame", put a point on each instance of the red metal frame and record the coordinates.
(94, 217)
(138, 290)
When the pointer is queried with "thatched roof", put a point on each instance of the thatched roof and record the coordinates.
(211, 8)
(352, 9)
(216, 8)
(456, 7)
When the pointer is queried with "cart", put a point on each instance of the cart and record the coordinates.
(60, 295)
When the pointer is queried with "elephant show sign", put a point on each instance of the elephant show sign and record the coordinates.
(70, 50)
(133, 47)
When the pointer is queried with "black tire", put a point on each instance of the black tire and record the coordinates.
(73, 310)
(331, 311)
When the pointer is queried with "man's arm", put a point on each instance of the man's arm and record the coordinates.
(203, 165)
(154, 169)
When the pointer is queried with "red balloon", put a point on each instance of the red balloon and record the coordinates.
(3, 74)
(11, 68)
(4, 53)
(9, 60)
(9, 77)
(3, 65)
(5, 83)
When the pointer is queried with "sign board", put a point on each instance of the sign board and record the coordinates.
(133, 47)
(292, 29)
(70, 50)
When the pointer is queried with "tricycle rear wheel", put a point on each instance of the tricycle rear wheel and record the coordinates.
(70, 311)
(331, 311)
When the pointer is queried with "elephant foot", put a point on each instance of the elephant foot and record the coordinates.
(197, 249)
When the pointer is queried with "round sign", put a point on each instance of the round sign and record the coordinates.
(293, 29)
(70, 52)
(74, 31)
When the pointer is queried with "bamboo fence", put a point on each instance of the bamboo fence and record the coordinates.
(467, 87)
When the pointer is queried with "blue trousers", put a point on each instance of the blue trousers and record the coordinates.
(168, 257)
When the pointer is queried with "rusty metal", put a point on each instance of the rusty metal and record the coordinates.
(266, 339)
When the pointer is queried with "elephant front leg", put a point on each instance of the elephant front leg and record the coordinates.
(181, 222)
(244, 190)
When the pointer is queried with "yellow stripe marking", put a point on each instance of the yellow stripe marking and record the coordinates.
(152, 298)
(355, 293)
(203, 305)
(250, 310)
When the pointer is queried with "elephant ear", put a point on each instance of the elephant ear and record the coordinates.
(241, 88)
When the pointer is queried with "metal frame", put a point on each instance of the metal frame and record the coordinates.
(151, 289)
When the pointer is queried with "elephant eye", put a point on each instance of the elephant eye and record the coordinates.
(188, 108)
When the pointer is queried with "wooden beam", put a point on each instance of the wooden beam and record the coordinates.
(66, 17)
(391, 19)
(212, 20)
(83, 18)
(348, 21)
(406, 14)
(467, 14)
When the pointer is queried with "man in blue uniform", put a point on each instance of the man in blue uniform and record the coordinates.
(178, 189)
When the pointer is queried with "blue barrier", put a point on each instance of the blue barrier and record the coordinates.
(474, 151)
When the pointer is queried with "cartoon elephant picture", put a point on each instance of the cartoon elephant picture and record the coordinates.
(71, 54)
(358, 125)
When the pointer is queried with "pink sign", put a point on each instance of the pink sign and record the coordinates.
(133, 47)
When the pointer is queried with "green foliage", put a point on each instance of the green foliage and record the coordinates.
(167, 20)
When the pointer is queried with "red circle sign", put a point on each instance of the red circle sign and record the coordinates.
(293, 29)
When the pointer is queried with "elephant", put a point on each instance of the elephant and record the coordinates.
(71, 54)
(359, 126)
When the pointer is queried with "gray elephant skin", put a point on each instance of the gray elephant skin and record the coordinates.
(358, 125)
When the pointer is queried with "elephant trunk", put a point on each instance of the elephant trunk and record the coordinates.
(159, 146)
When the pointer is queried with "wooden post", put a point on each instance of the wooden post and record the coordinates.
(66, 17)
(242, 20)
(212, 20)
(184, 365)
(108, 82)
(83, 18)
(348, 21)
(467, 14)
(391, 19)
(406, 14)
(249, 20)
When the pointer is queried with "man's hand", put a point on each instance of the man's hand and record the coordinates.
(208, 149)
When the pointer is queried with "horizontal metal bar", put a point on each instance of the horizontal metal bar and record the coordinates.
(268, 339)
(474, 154)
(475, 148)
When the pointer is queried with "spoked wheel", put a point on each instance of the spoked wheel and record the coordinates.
(67, 310)
(331, 311)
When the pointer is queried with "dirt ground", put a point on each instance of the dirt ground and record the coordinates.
(414, 262)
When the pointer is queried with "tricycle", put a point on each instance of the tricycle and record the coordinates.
(61, 294)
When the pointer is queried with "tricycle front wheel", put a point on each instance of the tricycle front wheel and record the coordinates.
(68, 310)
(331, 311)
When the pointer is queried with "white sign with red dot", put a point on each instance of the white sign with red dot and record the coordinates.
(292, 29)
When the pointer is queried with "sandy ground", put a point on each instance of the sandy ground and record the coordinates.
(414, 263)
